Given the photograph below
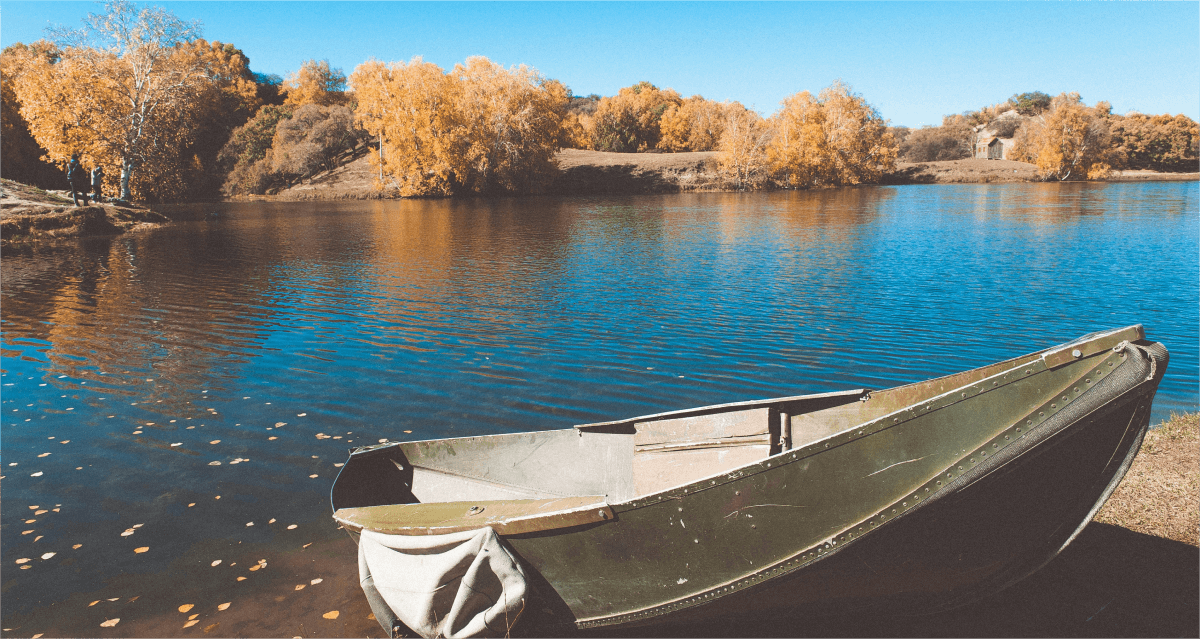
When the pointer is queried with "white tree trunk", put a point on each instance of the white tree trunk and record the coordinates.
(126, 172)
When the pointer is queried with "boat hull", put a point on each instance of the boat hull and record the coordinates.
(911, 500)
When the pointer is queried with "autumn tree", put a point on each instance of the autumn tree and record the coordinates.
(316, 83)
(410, 108)
(743, 149)
(121, 92)
(21, 157)
(480, 128)
(1158, 142)
(954, 140)
(511, 121)
(1070, 141)
(695, 124)
(835, 138)
(631, 120)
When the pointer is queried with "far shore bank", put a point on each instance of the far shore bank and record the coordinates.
(603, 173)
(30, 214)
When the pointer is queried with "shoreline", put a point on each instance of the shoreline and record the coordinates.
(584, 172)
(32, 215)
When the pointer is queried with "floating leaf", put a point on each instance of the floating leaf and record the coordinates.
(301, 414)
(34, 507)
(138, 525)
(210, 628)
(141, 550)
(38, 537)
(191, 504)
(306, 545)
(316, 581)
(186, 607)
(37, 474)
(253, 568)
(65, 441)
(313, 476)
(193, 616)
(76, 546)
(217, 562)
(176, 444)
(48, 555)
(44, 455)
(332, 614)
(26, 532)
(128, 532)
(249, 523)
(280, 424)
(338, 465)
(110, 623)
(292, 527)
(300, 587)
(224, 606)
(241, 579)
(23, 560)
(93, 603)
(191, 623)
(41, 512)
(215, 441)
(214, 463)
(272, 438)
(272, 521)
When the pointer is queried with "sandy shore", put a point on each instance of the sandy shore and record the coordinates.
(28, 213)
(598, 172)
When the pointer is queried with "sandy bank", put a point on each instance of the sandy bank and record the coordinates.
(28, 214)
(599, 172)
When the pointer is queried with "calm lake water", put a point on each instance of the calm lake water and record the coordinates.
(241, 351)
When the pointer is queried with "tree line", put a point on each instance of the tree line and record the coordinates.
(181, 118)
(1062, 136)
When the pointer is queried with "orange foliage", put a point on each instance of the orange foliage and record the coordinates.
(1070, 141)
(833, 139)
(480, 128)
(316, 83)
(695, 124)
(630, 121)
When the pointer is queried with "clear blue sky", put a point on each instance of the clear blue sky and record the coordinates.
(914, 61)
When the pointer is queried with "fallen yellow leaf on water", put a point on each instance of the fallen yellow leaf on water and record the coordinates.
(186, 607)
(26, 532)
(191, 504)
(312, 476)
(76, 546)
(215, 441)
(249, 523)
(190, 623)
(138, 525)
(217, 562)
(48, 555)
(41, 512)
(306, 545)
(37, 474)
(193, 616)
(128, 532)
(23, 560)
(110, 623)
(272, 438)
(272, 521)
(316, 581)
(38, 537)
(332, 614)
(142, 549)
(211, 628)
(224, 606)
(292, 527)
(300, 587)
(43, 454)
(93, 603)
(253, 568)
(214, 463)
(37, 636)
(241, 579)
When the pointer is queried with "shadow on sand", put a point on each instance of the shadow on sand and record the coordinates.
(1110, 582)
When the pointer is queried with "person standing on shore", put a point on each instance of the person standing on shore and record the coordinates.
(78, 178)
(97, 183)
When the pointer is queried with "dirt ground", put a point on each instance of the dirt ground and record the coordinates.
(601, 172)
(29, 213)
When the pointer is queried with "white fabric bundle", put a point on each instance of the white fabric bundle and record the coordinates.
(463, 584)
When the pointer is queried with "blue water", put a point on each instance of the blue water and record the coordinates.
(361, 321)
